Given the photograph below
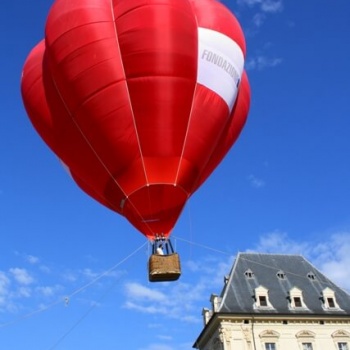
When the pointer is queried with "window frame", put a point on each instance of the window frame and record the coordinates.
(270, 346)
(307, 346)
(296, 300)
(261, 297)
(343, 345)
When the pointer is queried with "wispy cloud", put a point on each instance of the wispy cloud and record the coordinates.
(160, 346)
(34, 286)
(260, 9)
(21, 276)
(256, 182)
(262, 62)
(331, 256)
(4, 288)
(167, 299)
(32, 259)
(269, 6)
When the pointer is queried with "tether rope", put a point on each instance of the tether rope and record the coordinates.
(79, 290)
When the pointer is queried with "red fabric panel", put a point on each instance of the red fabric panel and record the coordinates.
(232, 130)
(212, 14)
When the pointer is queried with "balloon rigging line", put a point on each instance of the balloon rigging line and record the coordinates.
(106, 272)
(95, 152)
(108, 171)
(275, 268)
(127, 87)
(85, 315)
(79, 290)
(186, 135)
(134, 122)
(202, 246)
(246, 259)
(73, 327)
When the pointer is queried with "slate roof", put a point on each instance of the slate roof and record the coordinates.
(238, 294)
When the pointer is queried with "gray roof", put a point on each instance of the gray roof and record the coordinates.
(238, 294)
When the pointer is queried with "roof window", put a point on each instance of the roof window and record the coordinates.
(261, 297)
(329, 300)
(311, 276)
(281, 275)
(249, 273)
(296, 299)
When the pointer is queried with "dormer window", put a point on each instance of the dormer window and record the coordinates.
(329, 300)
(262, 298)
(281, 275)
(297, 302)
(249, 273)
(296, 299)
(311, 276)
(331, 303)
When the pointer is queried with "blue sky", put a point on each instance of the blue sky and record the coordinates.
(73, 274)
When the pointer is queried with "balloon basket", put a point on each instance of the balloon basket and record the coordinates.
(163, 268)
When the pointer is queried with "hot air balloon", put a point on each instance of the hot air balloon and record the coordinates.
(140, 99)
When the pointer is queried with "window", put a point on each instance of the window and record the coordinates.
(297, 302)
(311, 276)
(281, 275)
(307, 346)
(270, 346)
(262, 300)
(331, 302)
(249, 273)
(343, 346)
(261, 297)
(296, 299)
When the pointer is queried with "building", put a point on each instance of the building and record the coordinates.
(276, 302)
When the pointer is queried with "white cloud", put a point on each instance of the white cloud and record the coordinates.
(279, 242)
(4, 288)
(32, 259)
(158, 347)
(21, 276)
(331, 257)
(256, 182)
(270, 6)
(180, 300)
(262, 62)
(259, 19)
(137, 291)
(23, 292)
(49, 291)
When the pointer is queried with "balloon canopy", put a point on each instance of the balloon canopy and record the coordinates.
(140, 99)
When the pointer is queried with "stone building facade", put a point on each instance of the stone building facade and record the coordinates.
(276, 302)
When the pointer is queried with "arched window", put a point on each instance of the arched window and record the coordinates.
(341, 339)
(269, 339)
(306, 340)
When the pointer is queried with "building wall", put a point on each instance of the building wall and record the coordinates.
(240, 335)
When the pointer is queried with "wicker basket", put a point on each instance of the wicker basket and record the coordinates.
(163, 268)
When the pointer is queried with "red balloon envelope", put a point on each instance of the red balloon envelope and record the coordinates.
(140, 99)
